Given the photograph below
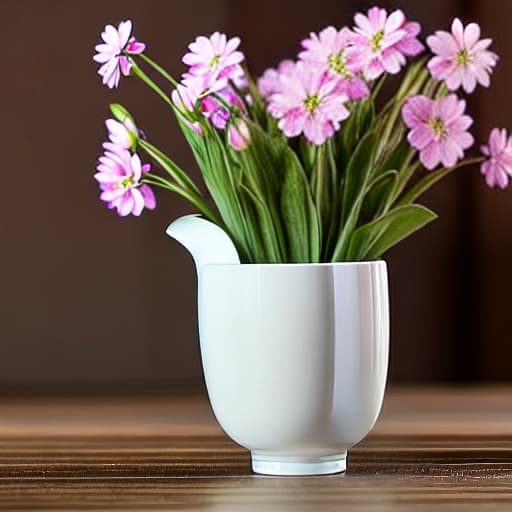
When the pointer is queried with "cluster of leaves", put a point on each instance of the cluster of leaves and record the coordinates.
(286, 201)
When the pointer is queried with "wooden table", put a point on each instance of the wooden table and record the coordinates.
(433, 449)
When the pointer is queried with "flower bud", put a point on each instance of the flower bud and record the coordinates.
(238, 135)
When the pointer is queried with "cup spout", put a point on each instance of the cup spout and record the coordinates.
(204, 240)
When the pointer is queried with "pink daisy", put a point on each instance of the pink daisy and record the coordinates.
(333, 51)
(269, 83)
(438, 129)
(461, 57)
(185, 97)
(215, 56)
(111, 52)
(384, 41)
(498, 167)
(309, 102)
(119, 174)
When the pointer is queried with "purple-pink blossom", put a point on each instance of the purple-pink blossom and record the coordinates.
(214, 105)
(334, 51)
(309, 102)
(438, 129)
(119, 175)
(461, 57)
(498, 167)
(384, 41)
(110, 53)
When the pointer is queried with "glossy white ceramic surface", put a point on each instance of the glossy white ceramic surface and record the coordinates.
(295, 358)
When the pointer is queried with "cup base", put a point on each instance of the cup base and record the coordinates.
(278, 465)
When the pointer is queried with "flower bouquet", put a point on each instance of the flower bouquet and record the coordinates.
(311, 162)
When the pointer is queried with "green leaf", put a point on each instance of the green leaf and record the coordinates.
(357, 174)
(377, 196)
(264, 245)
(356, 179)
(394, 158)
(360, 121)
(370, 241)
(299, 213)
(261, 170)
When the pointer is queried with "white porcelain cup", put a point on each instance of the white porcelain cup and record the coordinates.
(295, 358)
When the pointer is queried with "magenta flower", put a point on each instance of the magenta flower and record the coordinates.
(438, 129)
(216, 111)
(333, 51)
(269, 83)
(111, 52)
(384, 41)
(461, 57)
(238, 135)
(498, 167)
(309, 102)
(119, 175)
(124, 134)
(193, 92)
(216, 56)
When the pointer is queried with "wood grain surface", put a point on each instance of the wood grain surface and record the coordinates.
(432, 449)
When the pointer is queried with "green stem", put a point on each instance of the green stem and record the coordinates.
(431, 179)
(378, 86)
(159, 69)
(169, 166)
(198, 202)
(145, 78)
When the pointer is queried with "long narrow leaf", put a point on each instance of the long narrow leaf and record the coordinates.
(371, 240)
(357, 176)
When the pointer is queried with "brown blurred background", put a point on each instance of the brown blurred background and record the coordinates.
(92, 301)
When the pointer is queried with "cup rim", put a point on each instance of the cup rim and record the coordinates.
(299, 265)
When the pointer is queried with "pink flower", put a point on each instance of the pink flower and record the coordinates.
(438, 129)
(308, 102)
(498, 167)
(238, 135)
(119, 175)
(124, 134)
(269, 83)
(111, 52)
(384, 41)
(216, 57)
(334, 52)
(185, 97)
(461, 57)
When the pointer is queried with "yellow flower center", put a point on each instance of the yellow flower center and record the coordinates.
(463, 57)
(215, 61)
(311, 103)
(337, 64)
(377, 40)
(437, 126)
(127, 182)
